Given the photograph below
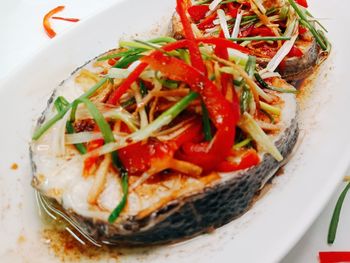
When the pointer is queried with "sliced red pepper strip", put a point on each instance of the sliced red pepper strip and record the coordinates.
(197, 12)
(222, 52)
(250, 158)
(90, 162)
(192, 134)
(246, 31)
(295, 52)
(66, 19)
(195, 55)
(207, 22)
(334, 257)
(302, 30)
(46, 21)
(261, 31)
(302, 3)
(137, 157)
(233, 11)
(224, 43)
(115, 96)
(223, 115)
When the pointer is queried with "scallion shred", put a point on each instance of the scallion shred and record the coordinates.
(143, 89)
(126, 61)
(47, 125)
(122, 54)
(206, 123)
(61, 103)
(109, 138)
(304, 21)
(267, 86)
(332, 231)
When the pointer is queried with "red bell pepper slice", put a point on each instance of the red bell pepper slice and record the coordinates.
(223, 42)
(197, 12)
(137, 157)
(115, 96)
(207, 22)
(295, 52)
(223, 115)
(221, 51)
(46, 21)
(302, 30)
(334, 257)
(90, 162)
(250, 158)
(232, 11)
(302, 3)
(195, 55)
(246, 31)
(261, 31)
(192, 134)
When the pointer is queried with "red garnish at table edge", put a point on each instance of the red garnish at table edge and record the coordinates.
(46, 21)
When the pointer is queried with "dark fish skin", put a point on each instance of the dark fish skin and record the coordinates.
(197, 214)
(300, 68)
(293, 69)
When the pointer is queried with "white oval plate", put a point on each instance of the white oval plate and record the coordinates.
(266, 232)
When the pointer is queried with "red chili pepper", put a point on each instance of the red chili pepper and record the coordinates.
(295, 52)
(250, 158)
(112, 61)
(115, 96)
(334, 257)
(223, 42)
(302, 30)
(192, 134)
(46, 21)
(302, 3)
(232, 11)
(90, 162)
(207, 22)
(195, 55)
(246, 31)
(197, 12)
(66, 19)
(137, 157)
(262, 31)
(223, 114)
(221, 51)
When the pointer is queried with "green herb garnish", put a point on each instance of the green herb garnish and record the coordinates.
(109, 138)
(61, 103)
(47, 125)
(267, 86)
(126, 61)
(206, 123)
(332, 231)
(304, 21)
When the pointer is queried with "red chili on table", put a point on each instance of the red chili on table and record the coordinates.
(46, 21)
(334, 256)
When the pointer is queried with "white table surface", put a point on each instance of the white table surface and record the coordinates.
(22, 35)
